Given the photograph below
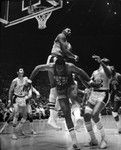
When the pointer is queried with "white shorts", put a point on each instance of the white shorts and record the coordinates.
(96, 97)
(21, 101)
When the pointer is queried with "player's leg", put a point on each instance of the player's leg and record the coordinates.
(101, 102)
(76, 111)
(65, 107)
(52, 97)
(117, 105)
(30, 117)
(23, 110)
(52, 102)
(15, 121)
(88, 124)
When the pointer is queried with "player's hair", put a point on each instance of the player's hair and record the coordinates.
(65, 29)
(20, 70)
(60, 61)
(113, 70)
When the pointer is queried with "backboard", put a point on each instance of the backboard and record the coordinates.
(17, 11)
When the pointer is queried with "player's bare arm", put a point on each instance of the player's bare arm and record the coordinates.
(11, 90)
(44, 67)
(63, 43)
(79, 72)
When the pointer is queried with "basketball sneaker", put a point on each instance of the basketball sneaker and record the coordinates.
(103, 143)
(52, 123)
(14, 137)
(33, 132)
(91, 143)
(75, 147)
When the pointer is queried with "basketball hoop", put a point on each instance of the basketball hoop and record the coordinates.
(42, 19)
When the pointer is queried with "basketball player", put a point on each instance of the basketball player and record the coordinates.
(19, 101)
(97, 100)
(62, 74)
(115, 87)
(29, 111)
(61, 48)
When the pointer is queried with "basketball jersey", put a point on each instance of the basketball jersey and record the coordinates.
(99, 76)
(62, 81)
(115, 84)
(56, 49)
(19, 86)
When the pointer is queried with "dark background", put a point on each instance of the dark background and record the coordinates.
(96, 29)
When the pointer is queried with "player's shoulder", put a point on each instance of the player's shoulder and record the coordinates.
(61, 35)
(70, 66)
(26, 78)
(15, 79)
(118, 74)
(50, 65)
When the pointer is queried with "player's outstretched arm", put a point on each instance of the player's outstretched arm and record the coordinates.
(44, 67)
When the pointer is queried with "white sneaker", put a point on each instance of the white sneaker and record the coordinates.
(53, 124)
(21, 131)
(33, 132)
(103, 143)
(14, 137)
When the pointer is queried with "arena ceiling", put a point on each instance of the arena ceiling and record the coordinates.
(85, 17)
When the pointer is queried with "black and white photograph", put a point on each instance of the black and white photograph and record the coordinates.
(60, 74)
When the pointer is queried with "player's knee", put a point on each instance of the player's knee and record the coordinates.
(16, 115)
(23, 120)
(14, 121)
(87, 117)
(75, 106)
(95, 116)
(25, 116)
(30, 117)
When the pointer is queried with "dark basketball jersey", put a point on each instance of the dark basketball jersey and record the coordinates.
(63, 81)
(115, 84)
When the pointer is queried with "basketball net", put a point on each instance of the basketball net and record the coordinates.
(42, 19)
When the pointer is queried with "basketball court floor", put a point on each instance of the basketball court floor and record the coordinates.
(48, 138)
